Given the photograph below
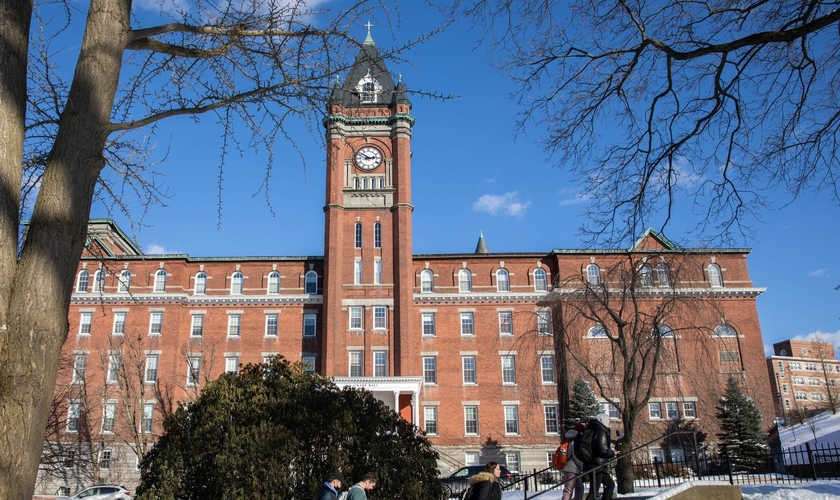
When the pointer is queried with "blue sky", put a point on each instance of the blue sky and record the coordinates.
(468, 174)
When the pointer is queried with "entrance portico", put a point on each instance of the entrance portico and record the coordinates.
(398, 393)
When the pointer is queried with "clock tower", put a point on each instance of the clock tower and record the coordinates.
(368, 272)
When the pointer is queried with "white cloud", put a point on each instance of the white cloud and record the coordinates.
(819, 273)
(579, 198)
(155, 249)
(682, 176)
(507, 204)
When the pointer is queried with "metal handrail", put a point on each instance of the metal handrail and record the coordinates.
(524, 480)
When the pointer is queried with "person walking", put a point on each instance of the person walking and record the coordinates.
(359, 490)
(571, 472)
(601, 453)
(331, 486)
(485, 484)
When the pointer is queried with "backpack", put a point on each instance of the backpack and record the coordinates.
(467, 494)
(342, 495)
(583, 445)
(561, 456)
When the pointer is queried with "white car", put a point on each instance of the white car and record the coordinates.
(105, 492)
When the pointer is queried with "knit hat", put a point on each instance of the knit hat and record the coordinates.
(579, 427)
(336, 474)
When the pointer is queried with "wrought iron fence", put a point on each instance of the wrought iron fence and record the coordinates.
(800, 464)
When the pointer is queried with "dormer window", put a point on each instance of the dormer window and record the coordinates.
(368, 89)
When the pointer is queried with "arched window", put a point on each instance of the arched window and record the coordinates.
(593, 274)
(664, 332)
(715, 278)
(273, 282)
(377, 235)
(82, 283)
(99, 280)
(502, 281)
(311, 283)
(160, 280)
(125, 281)
(663, 274)
(201, 283)
(540, 282)
(464, 280)
(725, 331)
(236, 283)
(358, 235)
(646, 276)
(367, 90)
(597, 331)
(427, 281)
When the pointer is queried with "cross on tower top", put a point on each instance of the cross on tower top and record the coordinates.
(368, 26)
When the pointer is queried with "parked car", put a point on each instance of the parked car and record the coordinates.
(459, 480)
(102, 492)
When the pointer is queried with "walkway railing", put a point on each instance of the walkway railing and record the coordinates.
(794, 465)
(549, 479)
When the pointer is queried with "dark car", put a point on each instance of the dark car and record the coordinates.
(459, 480)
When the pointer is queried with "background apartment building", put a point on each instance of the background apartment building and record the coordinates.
(805, 376)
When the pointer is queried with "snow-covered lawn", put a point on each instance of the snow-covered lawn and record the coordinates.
(812, 490)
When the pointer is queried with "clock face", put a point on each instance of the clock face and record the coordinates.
(368, 158)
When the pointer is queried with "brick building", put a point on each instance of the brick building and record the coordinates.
(804, 375)
(459, 344)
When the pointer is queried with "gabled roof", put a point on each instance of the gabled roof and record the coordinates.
(368, 63)
(652, 240)
(106, 239)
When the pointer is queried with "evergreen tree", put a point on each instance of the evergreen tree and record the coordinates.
(274, 431)
(740, 433)
(583, 404)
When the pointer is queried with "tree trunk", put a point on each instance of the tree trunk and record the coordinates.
(36, 303)
(624, 469)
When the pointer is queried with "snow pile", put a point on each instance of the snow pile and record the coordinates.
(812, 490)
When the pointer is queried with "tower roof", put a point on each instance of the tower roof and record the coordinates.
(482, 246)
(368, 82)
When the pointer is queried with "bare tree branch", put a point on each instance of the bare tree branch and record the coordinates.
(704, 111)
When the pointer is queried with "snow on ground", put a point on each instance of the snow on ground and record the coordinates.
(827, 429)
(826, 425)
(812, 490)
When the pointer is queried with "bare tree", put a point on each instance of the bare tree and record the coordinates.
(75, 439)
(258, 65)
(831, 393)
(118, 400)
(620, 332)
(136, 394)
(651, 102)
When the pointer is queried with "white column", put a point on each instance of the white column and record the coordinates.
(415, 410)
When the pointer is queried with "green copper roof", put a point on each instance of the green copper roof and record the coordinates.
(482, 246)
(368, 38)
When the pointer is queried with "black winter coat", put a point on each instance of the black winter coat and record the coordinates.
(486, 487)
(601, 449)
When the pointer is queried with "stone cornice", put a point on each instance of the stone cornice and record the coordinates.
(369, 120)
(478, 298)
(195, 300)
(682, 292)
